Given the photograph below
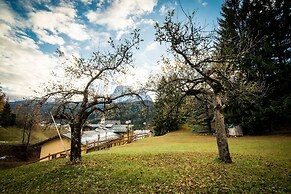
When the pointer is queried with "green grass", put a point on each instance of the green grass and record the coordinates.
(179, 162)
(13, 135)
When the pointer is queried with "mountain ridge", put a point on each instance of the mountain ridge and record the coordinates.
(120, 90)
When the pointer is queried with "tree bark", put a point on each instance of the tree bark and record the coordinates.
(75, 155)
(208, 118)
(29, 134)
(221, 136)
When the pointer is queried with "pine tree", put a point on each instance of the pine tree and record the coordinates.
(267, 25)
(7, 118)
(167, 117)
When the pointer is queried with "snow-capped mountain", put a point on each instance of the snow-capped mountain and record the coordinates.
(120, 90)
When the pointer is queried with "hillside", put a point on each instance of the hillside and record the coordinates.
(13, 152)
(13, 135)
(179, 162)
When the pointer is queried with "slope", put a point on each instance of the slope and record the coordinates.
(179, 162)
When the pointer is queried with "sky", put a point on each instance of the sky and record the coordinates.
(32, 30)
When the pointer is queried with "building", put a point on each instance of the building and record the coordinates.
(59, 146)
(235, 131)
(98, 136)
(54, 147)
(114, 126)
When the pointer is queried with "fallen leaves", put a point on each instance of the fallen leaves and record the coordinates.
(169, 172)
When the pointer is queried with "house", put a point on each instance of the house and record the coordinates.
(102, 124)
(105, 122)
(114, 126)
(141, 134)
(54, 147)
(112, 122)
(105, 134)
(235, 131)
(89, 127)
(59, 146)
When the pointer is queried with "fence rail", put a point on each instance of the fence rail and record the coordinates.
(97, 145)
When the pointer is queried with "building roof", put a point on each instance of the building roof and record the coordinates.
(110, 127)
(119, 128)
(112, 122)
(93, 125)
(88, 136)
(51, 138)
(91, 136)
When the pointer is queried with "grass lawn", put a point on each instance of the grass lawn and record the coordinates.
(13, 135)
(179, 162)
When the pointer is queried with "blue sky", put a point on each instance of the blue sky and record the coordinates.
(32, 30)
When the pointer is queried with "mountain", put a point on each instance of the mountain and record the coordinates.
(130, 108)
(120, 90)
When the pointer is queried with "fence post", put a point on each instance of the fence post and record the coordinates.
(86, 147)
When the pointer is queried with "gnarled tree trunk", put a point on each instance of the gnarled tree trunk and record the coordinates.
(221, 136)
(75, 155)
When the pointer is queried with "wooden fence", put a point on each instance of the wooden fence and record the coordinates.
(98, 145)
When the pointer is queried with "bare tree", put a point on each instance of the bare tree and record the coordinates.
(81, 96)
(202, 70)
(28, 117)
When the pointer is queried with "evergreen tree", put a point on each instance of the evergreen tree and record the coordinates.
(168, 116)
(266, 24)
(201, 115)
(7, 118)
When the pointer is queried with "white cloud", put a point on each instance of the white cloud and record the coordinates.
(8, 17)
(49, 25)
(165, 8)
(44, 36)
(71, 49)
(100, 3)
(120, 33)
(86, 2)
(27, 43)
(152, 46)
(98, 39)
(135, 77)
(144, 67)
(148, 22)
(4, 29)
(203, 3)
(5, 13)
(121, 14)
(22, 66)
